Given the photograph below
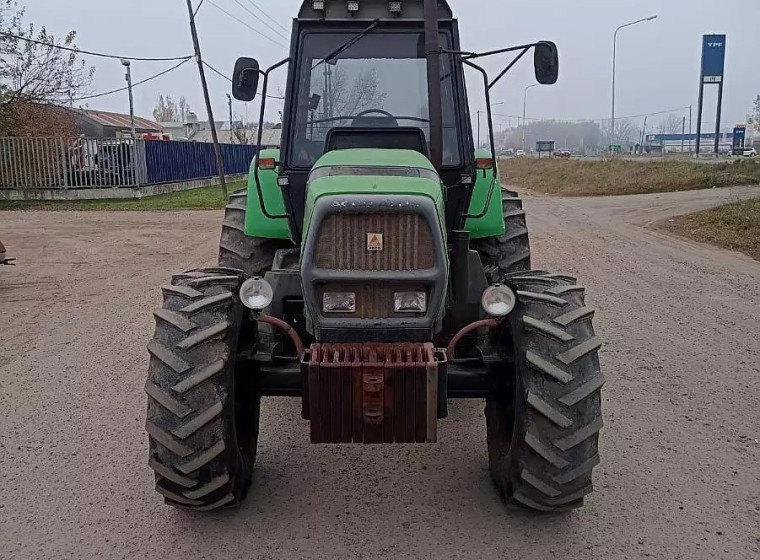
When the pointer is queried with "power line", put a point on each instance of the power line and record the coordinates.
(133, 85)
(653, 114)
(252, 3)
(207, 65)
(91, 53)
(240, 21)
(257, 18)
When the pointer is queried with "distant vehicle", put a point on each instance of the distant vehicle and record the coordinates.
(520, 153)
(564, 154)
(750, 152)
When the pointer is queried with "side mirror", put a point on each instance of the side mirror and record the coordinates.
(546, 62)
(245, 79)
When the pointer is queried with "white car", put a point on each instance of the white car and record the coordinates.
(520, 153)
(750, 152)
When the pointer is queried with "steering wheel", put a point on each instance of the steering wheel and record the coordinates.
(358, 118)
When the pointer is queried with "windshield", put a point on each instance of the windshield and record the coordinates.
(380, 81)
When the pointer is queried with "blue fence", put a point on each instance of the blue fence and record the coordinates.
(168, 162)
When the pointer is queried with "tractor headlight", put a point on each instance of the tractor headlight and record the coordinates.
(498, 300)
(339, 302)
(410, 302)
(256, 294)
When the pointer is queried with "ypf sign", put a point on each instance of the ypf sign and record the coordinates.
(713, 58)
(712, 73)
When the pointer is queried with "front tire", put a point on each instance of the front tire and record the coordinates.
(201, 449)
(509, 252)
(543, 429)
(253, 255)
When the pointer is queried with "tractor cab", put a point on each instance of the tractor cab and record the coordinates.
(370, 74)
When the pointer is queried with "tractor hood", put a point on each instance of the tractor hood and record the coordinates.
(375, 234)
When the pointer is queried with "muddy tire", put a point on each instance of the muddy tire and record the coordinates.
(543, 428)
(202, 444)
(252, 255)
(510, 252)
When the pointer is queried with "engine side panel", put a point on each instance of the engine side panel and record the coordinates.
(492, 223)
(256, 223)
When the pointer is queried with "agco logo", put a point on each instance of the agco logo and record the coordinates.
(374, 242)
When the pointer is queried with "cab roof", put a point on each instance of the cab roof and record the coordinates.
(371, 9)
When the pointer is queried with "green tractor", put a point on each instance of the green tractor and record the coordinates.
(375, 268)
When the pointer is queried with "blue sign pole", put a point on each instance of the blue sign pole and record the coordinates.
(713, 69)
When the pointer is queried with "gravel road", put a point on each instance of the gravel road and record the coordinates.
(680, 473)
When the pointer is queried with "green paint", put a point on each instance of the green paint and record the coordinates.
(492, 224)
(374, 185)
(364, 157)
(256, 223)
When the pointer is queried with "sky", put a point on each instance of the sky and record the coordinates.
(657, 64)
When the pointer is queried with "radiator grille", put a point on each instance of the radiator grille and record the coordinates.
(407, 242)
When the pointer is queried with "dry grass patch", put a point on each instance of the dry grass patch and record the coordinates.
(617, 177)
(733, 226)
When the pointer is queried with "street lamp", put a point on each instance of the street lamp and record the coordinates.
(480, 111)
(614, 67)
(126, 63)
(525, 106)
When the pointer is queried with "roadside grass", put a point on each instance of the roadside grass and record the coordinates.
(619, 177)
(734, 226)
(207, 198)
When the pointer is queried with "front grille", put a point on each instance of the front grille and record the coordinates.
(372, 301)
(407, 242)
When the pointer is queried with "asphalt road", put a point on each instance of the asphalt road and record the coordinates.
(680, 472)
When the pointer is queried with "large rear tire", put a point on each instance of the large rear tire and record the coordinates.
(543, 426)
(253, 255)
(202, 444)
(509, 252)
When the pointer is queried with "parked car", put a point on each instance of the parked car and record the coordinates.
(750, 152)
(564, 154)
(520, 153)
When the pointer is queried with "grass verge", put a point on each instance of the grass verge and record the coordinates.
(619, 177)
(208, 198)
(733, 226)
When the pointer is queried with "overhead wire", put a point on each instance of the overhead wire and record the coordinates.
(257, 18)
(240, 21)
(255, 5)
(534, 119)
(133, 85)
(93, 53)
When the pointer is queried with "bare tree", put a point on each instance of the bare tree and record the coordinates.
(33, 74)
(183, 108)
(673, 124)
(167, 109)
(754, 117)
(349, 97)
(625, 131)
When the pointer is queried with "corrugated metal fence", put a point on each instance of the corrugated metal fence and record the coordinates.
(53, 163)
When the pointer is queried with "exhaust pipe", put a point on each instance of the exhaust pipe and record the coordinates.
(433, 55)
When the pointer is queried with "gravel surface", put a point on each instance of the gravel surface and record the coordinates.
(680, 472)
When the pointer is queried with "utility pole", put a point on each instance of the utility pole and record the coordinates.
(525, 107)
(683, 133)
(128, 66)
(232, 128)
(614, 68)
(690, 129)
(199, 60)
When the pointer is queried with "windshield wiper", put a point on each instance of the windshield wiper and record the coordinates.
(348, 44)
